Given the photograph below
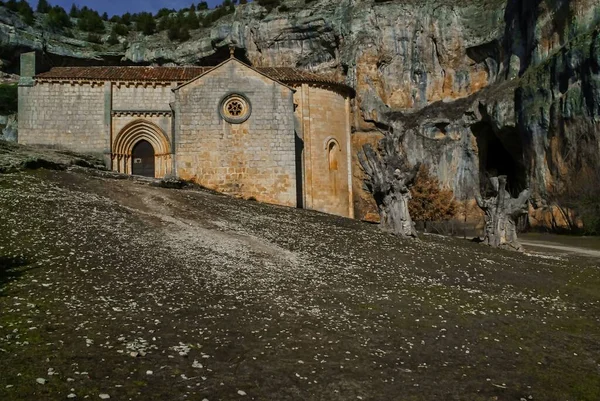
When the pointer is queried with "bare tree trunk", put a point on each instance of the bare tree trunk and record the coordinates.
(389, 178)
(501, 215)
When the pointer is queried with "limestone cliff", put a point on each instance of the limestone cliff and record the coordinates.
(472, 88)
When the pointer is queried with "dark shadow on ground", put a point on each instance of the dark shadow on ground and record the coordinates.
(11, 269)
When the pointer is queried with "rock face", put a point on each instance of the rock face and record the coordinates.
(388, 178)
(475, 89)
(502, 213)
(8, 128)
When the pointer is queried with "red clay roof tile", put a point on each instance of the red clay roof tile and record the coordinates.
(173, 74)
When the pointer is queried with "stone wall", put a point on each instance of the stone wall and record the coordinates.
(66, 115)
(130, 127)
(163, 121)
(142, 96)
(253, 159)
(325, 129)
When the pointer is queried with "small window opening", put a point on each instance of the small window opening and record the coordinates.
(332, 153)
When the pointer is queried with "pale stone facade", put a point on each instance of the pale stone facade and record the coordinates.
(280, 136)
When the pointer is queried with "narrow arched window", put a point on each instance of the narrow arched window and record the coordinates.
(333, 150)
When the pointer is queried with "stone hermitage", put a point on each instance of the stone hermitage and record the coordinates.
(277, 135)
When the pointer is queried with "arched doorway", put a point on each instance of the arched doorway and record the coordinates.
(143, 159)
(142, 148)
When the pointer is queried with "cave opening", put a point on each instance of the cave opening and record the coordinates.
(500, 153)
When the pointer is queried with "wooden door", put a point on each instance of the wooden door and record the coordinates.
(143, 159)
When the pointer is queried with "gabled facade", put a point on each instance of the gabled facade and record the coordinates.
(277, 135)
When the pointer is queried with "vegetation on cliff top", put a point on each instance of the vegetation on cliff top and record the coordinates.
(177, 23)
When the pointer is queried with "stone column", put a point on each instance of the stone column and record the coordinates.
(349, 157)
(108, 137)
(308, 188)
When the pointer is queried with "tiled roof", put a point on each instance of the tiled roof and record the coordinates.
(153, 74)
(173, 74)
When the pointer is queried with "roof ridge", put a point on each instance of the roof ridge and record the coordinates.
(180, 74)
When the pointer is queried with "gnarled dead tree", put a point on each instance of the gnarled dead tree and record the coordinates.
(502, 212)
(389, 177)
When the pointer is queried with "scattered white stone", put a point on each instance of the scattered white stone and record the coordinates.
(104, 396)
(149, 372)
(72, 395)
(41, 381)
(197, 365)
(240, 392)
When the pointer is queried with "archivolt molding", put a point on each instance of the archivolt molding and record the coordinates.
(331, 140)
(130, 135)
(141, 130)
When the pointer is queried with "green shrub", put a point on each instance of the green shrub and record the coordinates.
(269, 4)
(176, 31)
(120, 30)
(94, 38)
(90, 21)
(58, 18)
(113, 39)
(9, 98)
(191, 20)
(126, 19)
(43, 7)
(217, 14)
(145, 23)
(74, 12)
(164, 12)
(26, 12)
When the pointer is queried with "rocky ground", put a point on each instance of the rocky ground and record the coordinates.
(116, 288)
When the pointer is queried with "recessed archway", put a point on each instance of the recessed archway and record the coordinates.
(333, 149)
(147, 139)
(143, 159)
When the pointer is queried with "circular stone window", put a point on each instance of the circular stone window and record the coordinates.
(235, 109)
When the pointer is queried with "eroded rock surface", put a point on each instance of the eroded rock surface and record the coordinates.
(502, 212)
(388, 179)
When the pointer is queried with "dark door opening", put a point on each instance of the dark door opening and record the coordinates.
(299, 172)
(143, 159)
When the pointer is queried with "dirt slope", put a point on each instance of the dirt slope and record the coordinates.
(115, 287)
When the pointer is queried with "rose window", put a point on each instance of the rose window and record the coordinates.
(235, 109)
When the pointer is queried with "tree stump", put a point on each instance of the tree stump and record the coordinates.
(388, 179)
(502, 212)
